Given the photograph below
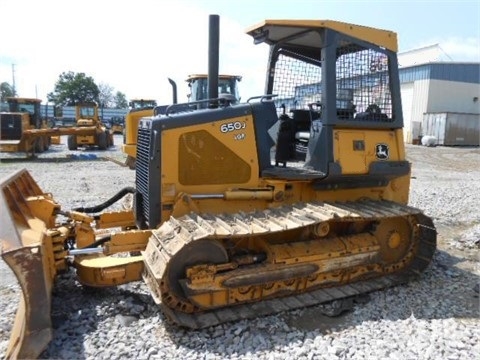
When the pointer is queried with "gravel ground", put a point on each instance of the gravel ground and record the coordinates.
(436, 317)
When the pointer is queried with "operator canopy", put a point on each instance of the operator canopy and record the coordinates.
(309, 33)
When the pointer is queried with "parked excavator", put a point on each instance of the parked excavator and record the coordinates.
(220, 230)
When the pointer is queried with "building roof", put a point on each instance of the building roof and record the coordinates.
(450, 71)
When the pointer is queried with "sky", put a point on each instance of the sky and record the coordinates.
(135, 46)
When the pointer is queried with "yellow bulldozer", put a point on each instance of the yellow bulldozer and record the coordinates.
(86, 114)
(227, 222)
(198, 85)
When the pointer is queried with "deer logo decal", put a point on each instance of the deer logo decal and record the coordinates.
(382, 152)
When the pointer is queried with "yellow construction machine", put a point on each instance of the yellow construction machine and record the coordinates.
(227, 223)
(117, 124)
(139, 108)
(57, 113)
(198, 85)
(86, 114)
(23, 129)
(20, 127)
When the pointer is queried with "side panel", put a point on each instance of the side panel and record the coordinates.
(202, 153)
(206, 157)
(355, 150)
(350, 152)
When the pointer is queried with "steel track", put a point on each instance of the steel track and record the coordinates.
(176, 233)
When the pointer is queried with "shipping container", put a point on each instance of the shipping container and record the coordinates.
(452, 128)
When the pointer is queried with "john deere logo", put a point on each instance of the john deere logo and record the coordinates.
(382, 152)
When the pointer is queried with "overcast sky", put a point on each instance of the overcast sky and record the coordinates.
(134, 46)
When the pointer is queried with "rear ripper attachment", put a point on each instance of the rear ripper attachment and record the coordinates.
(209, 269)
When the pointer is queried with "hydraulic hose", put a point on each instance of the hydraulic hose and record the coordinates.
(109, 202)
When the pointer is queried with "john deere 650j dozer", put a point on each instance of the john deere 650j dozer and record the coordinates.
(229, 224)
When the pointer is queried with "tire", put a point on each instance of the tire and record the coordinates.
(130, 162)
(39, 146)
(110, 138)
(46, 143)
(102, 141)
(72, 142)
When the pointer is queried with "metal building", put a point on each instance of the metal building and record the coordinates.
(452, 128)
(446, 91)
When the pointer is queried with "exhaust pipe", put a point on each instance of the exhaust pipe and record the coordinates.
(174, 90)
(213, 58)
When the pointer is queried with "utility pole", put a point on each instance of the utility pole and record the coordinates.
(13, 80)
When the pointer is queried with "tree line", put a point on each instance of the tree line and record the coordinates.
(72, 87)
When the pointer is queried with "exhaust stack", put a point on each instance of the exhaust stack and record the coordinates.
(174, 90)
(213, 57)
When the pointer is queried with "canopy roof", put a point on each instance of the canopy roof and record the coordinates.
(304, 33)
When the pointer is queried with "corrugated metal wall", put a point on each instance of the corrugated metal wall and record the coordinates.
(438, 88)
(414, 105)
(420, 101)
(406, 92)
(457, 72)
(453, 129)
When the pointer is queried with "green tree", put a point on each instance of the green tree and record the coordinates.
(120, 100)
(6, 90)
(71, 88)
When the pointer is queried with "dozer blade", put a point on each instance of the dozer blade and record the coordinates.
(22, 248)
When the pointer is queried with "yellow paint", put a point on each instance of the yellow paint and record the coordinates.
(355, 161)
(131, 127)
(101, 271)
(196, 160)
(116, 219)
(383, 38)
